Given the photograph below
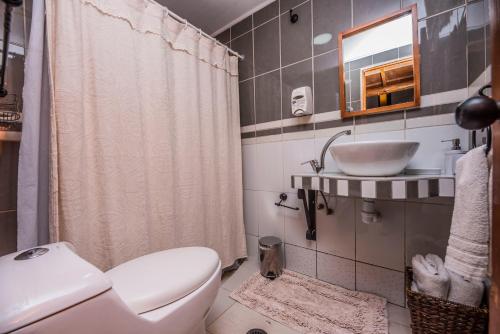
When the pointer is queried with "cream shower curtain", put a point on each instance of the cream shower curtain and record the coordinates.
(145, 147)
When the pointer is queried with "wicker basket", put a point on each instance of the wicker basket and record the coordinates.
(438, 316)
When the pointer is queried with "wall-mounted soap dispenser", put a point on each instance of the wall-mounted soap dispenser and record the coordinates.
(451, 156)
(302, 103)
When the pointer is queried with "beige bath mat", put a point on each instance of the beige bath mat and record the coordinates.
(312, 306)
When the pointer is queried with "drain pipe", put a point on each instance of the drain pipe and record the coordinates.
(369, 215)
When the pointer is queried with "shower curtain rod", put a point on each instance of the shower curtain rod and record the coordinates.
(182, 20)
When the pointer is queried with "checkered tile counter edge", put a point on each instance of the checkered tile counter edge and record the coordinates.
(396, 187)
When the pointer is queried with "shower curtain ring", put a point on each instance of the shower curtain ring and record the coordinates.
(185, 24)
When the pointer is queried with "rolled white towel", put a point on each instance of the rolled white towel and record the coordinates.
(462, 291)
(430, 276)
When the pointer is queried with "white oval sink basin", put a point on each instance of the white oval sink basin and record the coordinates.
(374, 158)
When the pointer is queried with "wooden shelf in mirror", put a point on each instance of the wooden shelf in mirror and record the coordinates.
(387, 78)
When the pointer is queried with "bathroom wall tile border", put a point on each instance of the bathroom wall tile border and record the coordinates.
(410, 187)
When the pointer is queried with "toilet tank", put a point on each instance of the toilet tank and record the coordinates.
(39, 283)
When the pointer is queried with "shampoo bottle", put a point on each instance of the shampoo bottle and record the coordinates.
(451, 156)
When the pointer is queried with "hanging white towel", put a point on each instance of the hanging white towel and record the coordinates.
(430, 276)
(467, 252)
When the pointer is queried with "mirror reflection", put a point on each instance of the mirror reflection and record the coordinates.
(378, 67)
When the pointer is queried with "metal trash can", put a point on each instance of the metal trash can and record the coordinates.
(271, 257)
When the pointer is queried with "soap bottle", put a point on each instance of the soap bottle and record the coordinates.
(451, 156)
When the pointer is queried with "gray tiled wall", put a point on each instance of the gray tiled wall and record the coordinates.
(347, 252)
(281, 56)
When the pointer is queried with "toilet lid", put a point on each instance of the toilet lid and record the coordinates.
(161, 278)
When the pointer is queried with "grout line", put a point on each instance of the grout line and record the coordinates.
(294, 7)
(312, 77)
(280, 64)
(254, 90)
(443, 12)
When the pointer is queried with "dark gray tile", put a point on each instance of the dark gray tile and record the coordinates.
(359, 63)
(355, 85)
(326, 82)
(298, 128)
(426, 8)
(266, 43)
(392, 116)
(224, 36)
(476, 44)
(334, 124)
(431, 111)
(368, 10)
(241, 27)
(405, 51)
(286, 5)
(267, 97)
(9, 158)
(296, 37)
(330, 17)
(265, 14)
(385, 56)
(248, 135)
(244, 46)
(268, 132)
(443, 49)
(8, 232)
(247, 114)
(294, 76)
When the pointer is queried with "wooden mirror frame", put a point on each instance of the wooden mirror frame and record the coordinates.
(412, 10)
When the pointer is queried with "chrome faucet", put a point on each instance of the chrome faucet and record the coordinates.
(319, 166)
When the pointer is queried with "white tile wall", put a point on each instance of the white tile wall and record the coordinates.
(336, 232)
(249, 153)
(295, 152)
(252, 245)
(427, 229)
(295, 227)
(301, 260)
(337, 270)
(381, 243)
(271, 217)
(383, 282)
(251, 211)
(430, 154)
(269, 167)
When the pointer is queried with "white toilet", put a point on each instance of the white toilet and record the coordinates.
(53, 290)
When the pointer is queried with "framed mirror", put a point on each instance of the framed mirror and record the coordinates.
(379, 65)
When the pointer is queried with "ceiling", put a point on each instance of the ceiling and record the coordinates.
(212, 15)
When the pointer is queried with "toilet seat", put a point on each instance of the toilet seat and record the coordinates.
(158, 279)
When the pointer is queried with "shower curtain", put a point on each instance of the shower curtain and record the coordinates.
(145, 140)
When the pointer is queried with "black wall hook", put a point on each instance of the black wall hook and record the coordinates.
(283, 198)
(293, 17)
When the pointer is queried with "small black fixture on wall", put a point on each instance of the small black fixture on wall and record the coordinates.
(293, 17)
(283, 198)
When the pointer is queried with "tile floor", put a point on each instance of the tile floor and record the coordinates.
(230, 317)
